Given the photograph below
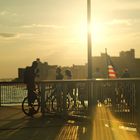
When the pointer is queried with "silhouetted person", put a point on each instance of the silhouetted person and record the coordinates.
(68, 74)
(126, 93)
(30, 75)
(70, 86)
(58, 88)
(59, 75)
(97, 74)
(125, 74)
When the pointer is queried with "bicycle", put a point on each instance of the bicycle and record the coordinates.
(32, 109)
(50, 102)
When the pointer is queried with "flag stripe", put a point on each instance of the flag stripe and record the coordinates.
(111, 72)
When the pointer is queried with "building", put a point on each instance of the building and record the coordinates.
(125, 60)
(45, 71)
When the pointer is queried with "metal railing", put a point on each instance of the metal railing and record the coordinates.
(121, 96)
(70, 95)
(12, 93)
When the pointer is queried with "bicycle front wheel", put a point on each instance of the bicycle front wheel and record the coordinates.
(26, 108)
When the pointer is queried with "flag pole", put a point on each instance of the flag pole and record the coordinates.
(111, 72)
(106, 61)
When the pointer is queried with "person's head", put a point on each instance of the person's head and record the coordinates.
(34, 64)
(68, 73)
(126, 70)
(58, 70)
(97, 69)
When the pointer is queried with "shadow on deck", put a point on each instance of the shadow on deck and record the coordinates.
(15, 126)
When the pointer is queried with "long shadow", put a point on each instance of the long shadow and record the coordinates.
(31, 128)
(21, 127)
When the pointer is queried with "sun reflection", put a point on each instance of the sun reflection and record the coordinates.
(106, 124)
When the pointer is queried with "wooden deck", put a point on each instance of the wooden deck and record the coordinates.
(14, 125)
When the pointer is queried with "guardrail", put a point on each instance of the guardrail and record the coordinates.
(121, 96)
(12, 93)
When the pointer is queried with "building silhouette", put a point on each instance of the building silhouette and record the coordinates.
(125, 60)
(46, 71)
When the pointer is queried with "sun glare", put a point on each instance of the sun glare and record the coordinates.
(97, 31)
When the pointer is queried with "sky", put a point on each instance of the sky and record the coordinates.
(55, 31)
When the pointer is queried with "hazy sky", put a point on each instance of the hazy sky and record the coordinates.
(55, 31)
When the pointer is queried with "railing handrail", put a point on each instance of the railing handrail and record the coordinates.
(73, 80)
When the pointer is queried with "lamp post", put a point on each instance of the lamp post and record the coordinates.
(89, 39)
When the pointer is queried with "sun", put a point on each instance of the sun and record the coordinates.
(97, 31)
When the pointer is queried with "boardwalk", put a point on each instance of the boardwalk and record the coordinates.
(15, 126)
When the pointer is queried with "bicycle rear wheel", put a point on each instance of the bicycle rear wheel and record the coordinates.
(26, 108)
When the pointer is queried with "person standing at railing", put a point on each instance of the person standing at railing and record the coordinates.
(97, 74)
(126, 94)
(70, 86)
(58, 88)
(29, 79)
(125, 74)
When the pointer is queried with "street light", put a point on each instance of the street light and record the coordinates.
(89, 39)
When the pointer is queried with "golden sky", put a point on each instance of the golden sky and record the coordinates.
(55, 31)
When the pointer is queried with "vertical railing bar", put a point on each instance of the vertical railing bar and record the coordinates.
(42, 98)
(64, 98)
(0, 96)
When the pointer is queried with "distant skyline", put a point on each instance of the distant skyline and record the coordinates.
(55, 31)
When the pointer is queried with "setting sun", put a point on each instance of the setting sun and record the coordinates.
(97, 30)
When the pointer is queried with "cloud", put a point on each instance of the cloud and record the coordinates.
(42, 26)
(120, 22)
(5, 12)
(2, 13)
(127, 14)
(128, 1)
(9, 35)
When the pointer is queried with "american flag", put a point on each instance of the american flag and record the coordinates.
(111, 72)
(111, 68)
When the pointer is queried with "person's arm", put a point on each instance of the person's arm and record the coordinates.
(37, 73)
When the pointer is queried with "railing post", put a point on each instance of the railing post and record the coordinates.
(64, 98)
(94, 93)
(42, 98)
(91, 97)
(138, 105)
(89, 87)
(0, 95)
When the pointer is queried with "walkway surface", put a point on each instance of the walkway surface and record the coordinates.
(14, 125)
